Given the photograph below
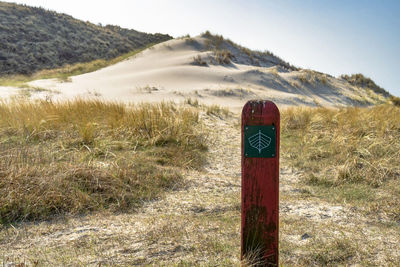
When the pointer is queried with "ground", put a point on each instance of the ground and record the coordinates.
(199, 224)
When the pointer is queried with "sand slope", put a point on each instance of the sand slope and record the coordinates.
(168, 71)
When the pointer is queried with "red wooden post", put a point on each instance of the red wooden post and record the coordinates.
(260, 182)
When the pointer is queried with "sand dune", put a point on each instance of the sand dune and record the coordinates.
(169, 71)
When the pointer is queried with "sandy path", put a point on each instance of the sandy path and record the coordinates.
(199, 224)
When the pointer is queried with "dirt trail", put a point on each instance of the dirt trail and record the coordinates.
(196, 224)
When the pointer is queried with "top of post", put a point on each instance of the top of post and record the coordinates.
(259, 111)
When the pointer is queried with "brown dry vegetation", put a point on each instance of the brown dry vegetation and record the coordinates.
(395, 100)
(349, 155)
(313, 77)
(223, 56)
(222, 50)
(199, 61)
(361, 81)
(80, 156)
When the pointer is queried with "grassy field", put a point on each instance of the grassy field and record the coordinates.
(82, 156)
(349, 155)
(349, 160)
(339, 185)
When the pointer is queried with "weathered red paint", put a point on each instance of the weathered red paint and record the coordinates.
(260, 191)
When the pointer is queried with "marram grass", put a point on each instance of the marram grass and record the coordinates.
(85, 155)
(349, 155)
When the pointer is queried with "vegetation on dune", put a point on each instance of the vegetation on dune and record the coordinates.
(34, 39)
(225, 51)
(224, 54)
(349, 155)
(63, 73)
(80, 156)
(313, 77)
(199, 61)
(359, 80)
(395, 100)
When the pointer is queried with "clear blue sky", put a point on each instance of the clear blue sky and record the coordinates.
(335, 37)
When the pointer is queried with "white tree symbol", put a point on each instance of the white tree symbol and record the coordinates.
(259, 141)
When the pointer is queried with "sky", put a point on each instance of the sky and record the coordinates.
(335, 37)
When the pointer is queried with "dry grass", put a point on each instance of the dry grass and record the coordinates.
(80, 156)
(360, 81)
(395, 100)
(274, 71)
(223, 56)
(214, 110)
(192, 102)
(349, 155)
(199, 61)
(199, 225)
(217, 110)
(312, 77)
(215, 42)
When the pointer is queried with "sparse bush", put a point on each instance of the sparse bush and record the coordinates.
(223, 56)
(395, 100)
(312, 77)
(207, 34)
(199, 61)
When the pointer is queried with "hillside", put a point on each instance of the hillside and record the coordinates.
(33, 38)
(211, 70)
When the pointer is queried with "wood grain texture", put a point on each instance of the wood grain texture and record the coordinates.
(260, 191)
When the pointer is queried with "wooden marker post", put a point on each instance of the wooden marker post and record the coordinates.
(260, 183)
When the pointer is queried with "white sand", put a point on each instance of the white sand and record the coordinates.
(166, 72)
(8, 91)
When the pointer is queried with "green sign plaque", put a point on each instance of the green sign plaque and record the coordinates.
(260, 141)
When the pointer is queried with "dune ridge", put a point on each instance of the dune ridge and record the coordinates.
(212, 70)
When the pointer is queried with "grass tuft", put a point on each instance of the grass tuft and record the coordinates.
(313, 77)
(395, 100)
(223, 56)
(217, 110)
(199, 61)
